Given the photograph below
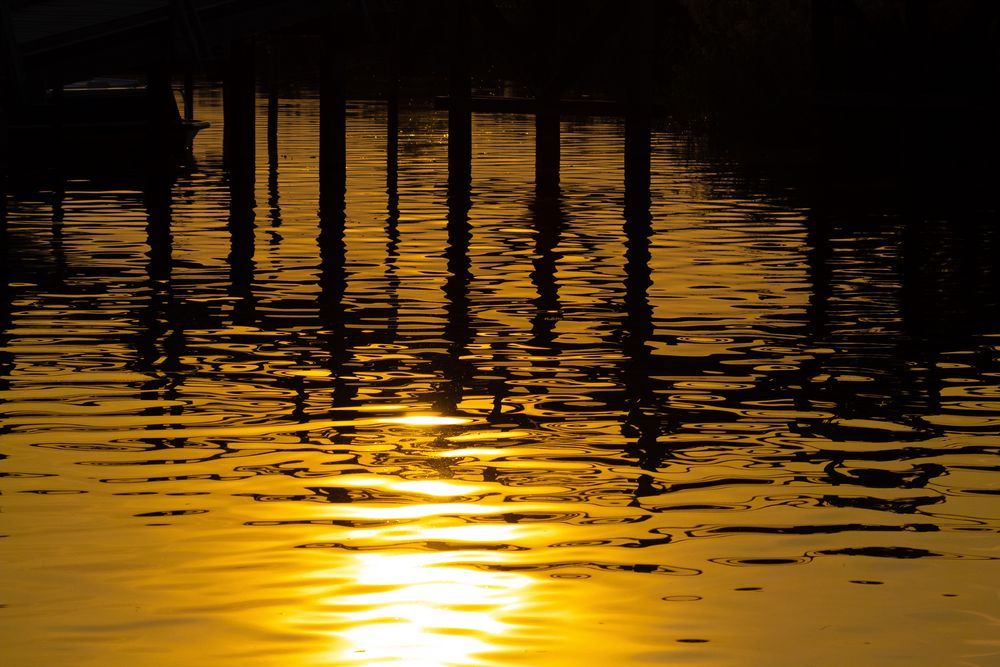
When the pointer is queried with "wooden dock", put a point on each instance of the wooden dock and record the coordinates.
(48, 43)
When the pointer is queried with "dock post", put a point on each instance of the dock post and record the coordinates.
(456, 287)
(641, 421)
(6, 290)
(392, 113)
(460, 103)
(238, 93)
(4, 146)
(4, 175)
(547, 112)
(332, 202)
(457, 328)
(272, 107)
(638, 124)
(392, 143)
(638, 140)
(332, 118)
(242, 229)
(272, 127)
(239, 156)
(3, 214)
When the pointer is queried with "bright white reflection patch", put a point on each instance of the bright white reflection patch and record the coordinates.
(417, 610)
(426, 420)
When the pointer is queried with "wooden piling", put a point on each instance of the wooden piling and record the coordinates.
(242, 232)
(4, 145)
(460, 108)
(638, 122)
(273, 100)
(457, 329)
(456, 287)
(238, 91)
(392, 117)
(4, 175)
(638, 153)
(3, 212)
(332, 202)
(239, 156)
(272, 126)
(332, 119)
(547, 90)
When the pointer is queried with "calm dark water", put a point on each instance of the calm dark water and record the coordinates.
(760, 428)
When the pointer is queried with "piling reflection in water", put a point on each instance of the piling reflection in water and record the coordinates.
(462, 421)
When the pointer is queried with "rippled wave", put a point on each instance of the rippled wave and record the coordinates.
(425, 435)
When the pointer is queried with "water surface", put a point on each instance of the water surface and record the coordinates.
(758, 427)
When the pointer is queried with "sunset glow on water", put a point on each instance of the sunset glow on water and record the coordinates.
(526, 437)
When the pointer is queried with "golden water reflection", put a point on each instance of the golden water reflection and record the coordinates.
(427, 420)
(425, 610)
(730, 439)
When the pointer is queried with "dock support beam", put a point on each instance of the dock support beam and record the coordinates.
(274, 208)
(332, 203)
(547, 113)
(4, 175)
(460, 107)
(638, 140)
(457, 331)
(332, 120)
(239, 157)
(638, 123)
(238, 92)
(272, 107)
(3, 217)
(272, 127)
(392, 116)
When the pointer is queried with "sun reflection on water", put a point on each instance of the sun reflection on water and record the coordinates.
(446, 605)
(426, 420)
(419, 609)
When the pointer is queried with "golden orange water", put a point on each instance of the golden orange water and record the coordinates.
(726, 441)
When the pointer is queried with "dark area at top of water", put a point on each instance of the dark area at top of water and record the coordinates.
(239, 396)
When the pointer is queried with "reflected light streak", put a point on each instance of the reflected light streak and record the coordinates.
(470, 534)
(437, 487)
(480, 452)
(426, 420)
(428, 487)
(477, 436)
(424, 610)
